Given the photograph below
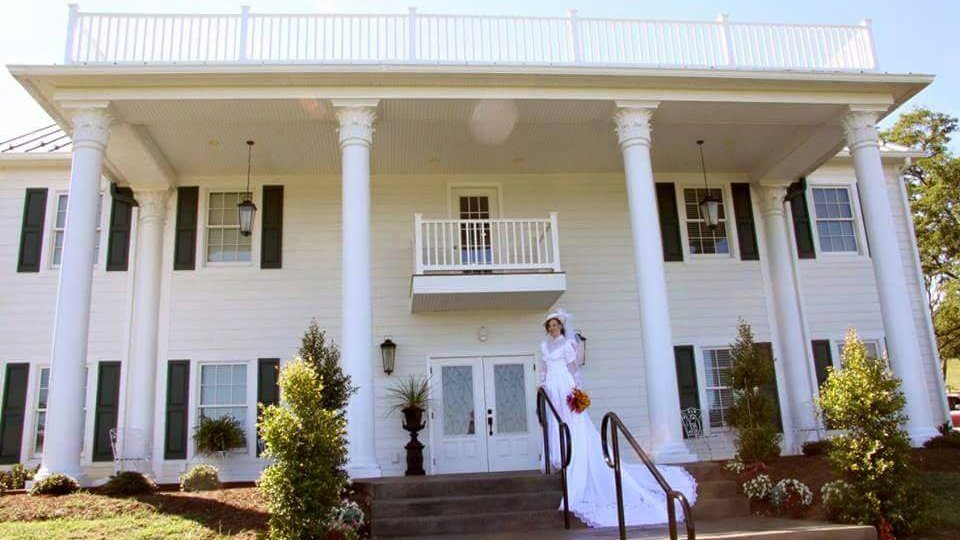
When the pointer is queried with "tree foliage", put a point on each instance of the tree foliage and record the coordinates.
(933, 188)
(752, 414)
(325, 358)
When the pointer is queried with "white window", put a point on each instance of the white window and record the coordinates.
(223, 391)
(701, 238)
(835, 227)
(43, 389)
(224, 241)
(717, 364)
(59, 226)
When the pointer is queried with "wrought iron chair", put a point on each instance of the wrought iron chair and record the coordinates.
(692, 421)
(129, 449)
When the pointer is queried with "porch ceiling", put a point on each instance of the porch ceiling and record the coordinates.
(419, 136)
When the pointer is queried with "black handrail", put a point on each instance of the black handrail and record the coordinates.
(566, 447)
(611, 417)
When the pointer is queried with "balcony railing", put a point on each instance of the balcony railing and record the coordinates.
(413, 38)
(486, 245)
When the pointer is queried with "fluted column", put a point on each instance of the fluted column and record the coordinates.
(356, 135)
(792, 366)
(900, 331)
(663, 398)
(64, 421)
(142, 368)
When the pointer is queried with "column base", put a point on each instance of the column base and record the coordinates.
(675, 452)
(364, 470)
(919, 435)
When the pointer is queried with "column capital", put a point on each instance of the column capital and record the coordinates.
(153, 205)
(356, 118)
(91, 125)
(633, 122)
(860, 126)
(770, 197)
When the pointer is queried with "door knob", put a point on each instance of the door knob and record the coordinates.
(490, 424)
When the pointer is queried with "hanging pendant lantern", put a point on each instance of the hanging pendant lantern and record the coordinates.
(709, 205)
(247, 209)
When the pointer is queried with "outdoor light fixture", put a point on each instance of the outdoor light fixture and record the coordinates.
(246, 208)
(709, 205)
(583, 344)
(388, 350)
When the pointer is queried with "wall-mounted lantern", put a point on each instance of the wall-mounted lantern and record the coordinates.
(388, 351)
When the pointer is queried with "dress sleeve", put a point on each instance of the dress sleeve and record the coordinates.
(570, 356)
(541, 370)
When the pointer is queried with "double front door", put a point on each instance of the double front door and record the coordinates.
(483, 415)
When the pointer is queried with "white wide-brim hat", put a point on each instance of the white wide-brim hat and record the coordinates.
(559, 315)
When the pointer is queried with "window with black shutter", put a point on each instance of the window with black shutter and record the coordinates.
(118, 240)
(105, 413)
(185, 241)
(802, 231)
(822, 359)
(687, 378)
(746, 227)
(669, 222)
(12, 412)
(178, 400)
(31, 231)
(271, 229)
(268, 389)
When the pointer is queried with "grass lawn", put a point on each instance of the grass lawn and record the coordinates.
(953, 374)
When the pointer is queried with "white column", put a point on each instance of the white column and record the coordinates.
(792, 367)
(903, 345)
(356, 135)
(64, 421)
(663, 398)
(142, 367)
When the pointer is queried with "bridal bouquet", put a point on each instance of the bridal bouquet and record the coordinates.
(578, 400)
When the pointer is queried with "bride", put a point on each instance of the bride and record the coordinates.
(590, 482)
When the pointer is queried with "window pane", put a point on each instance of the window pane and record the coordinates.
(61, 211)
(458, 404)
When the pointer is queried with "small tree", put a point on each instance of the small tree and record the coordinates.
(872, 455)
(303, 484)
(325, 359)
(753, 412)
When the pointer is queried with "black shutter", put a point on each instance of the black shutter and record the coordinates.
(687, 378)
(185, 250)
(105, 416)
(771, 389)
(178, 400)
(746, 227)
(866, 235)
(801, 223)
(669, 222)
(31, 232)
(822, 359)
(271, 229)
(268, 390)
(118, 242)
(13, 412)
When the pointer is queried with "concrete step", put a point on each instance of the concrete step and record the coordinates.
(467, 504)
(716, 489)
(727, 507)
(467, 523)
(460, 485)
(706, 470)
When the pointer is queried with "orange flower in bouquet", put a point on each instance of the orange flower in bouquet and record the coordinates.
(578, 400)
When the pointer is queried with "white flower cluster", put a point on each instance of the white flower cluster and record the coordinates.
(349, 513)
(758, 488)
(735, 465)
(781, 492)
(832, 492)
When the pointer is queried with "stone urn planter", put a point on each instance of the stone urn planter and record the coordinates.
(411, 397)
(413, 422)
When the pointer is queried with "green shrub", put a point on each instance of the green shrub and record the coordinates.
(306, 443)
(127, 483)
(950, 440)
(816, 448)
(214, 435)
(55, 484)
(872, 456)
(325, 359)
(200, 478)
(752, 414)
(16, 477)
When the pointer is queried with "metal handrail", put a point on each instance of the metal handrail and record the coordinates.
(611, 417)
(566, 447)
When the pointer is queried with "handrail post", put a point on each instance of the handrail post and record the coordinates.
(418, 244)
(412, 34)
(618, 478)
(867, 24)
(726, 40)
(74, 14)
(244, 33)
(555, 238)
(573, 30)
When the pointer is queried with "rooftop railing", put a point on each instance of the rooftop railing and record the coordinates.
(423, 39)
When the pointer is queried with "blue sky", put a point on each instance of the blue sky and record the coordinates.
(919, 37)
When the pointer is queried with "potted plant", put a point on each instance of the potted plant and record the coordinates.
(218, 435)
(411, 396)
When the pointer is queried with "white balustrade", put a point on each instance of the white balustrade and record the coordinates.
(413, 38)
(453, 245)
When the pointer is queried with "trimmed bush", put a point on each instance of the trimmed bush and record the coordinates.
(816, 448)
(16, 477)
(752, 415)
(55, 484)
(128, 483)
(200, 478)
(950, 440)
(213, 435)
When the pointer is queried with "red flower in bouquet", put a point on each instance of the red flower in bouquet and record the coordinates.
(578, 400)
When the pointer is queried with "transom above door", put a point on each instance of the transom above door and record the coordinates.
(483, 416)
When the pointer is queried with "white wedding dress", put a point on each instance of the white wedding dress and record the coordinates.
(590, 482)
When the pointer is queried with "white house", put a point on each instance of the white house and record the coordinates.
(444, 181)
